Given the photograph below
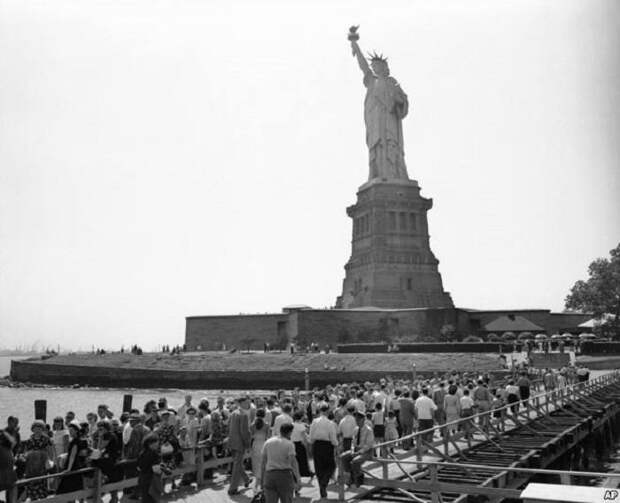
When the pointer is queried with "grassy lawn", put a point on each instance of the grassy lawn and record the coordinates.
(285, 361)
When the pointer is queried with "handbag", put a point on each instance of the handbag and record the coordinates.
(166, 448)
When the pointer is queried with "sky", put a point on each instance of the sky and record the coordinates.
(171, 158)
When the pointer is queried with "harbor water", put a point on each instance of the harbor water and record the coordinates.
(20, 401)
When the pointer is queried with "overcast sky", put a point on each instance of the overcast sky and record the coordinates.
(160, 159)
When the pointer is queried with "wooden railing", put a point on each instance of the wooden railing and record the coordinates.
(100, 488)
(537, 405)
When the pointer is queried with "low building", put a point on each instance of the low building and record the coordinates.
(303, 325)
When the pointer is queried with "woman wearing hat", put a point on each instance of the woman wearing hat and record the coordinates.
(39, 452)
(166, 431)
(188, 440)
(76, 459)
(60, 438)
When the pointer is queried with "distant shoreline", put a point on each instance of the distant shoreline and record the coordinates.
(11, 353)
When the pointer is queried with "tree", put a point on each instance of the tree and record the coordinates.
(600, 293)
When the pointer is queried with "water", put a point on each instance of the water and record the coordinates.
(20, 401)
(5, 364)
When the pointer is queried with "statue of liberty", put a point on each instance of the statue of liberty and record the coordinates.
(385, 107)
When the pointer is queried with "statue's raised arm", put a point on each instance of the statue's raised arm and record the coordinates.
(357, 52)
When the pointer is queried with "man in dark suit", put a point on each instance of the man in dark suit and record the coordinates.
(131, 450)
(406, 415)
(239, 441)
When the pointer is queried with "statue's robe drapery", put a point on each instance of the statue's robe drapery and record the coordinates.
(385, 106)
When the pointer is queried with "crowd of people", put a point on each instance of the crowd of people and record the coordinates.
(281, 439)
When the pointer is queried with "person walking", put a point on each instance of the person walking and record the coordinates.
(482, 400)
(452, 408)
(391, 430)
(346, 427)
(239, 442)
(406, 416)
(284, 417)
(363, 446)
(425, 409)
(279, 471)
(438, 395)
(512, 396)
(299, 437)
(260, 433)
(324, 440)
(467, 410)
(524, 389)
(378, 425)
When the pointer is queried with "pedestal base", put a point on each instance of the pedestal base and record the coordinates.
(391, 264)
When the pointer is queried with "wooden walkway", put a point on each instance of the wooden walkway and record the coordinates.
(496, 461)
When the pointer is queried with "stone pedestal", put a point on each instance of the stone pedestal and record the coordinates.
(391, 264)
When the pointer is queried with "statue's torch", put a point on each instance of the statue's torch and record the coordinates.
(353, 35)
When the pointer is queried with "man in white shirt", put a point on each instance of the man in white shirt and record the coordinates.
(425, 409)
(132, 420)
(284, 418)
(346, 428)
(279, 467)
(379, 396)
(324, 440)
(182, 410)
(358, 402)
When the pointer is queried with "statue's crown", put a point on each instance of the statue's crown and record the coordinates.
(377, 57)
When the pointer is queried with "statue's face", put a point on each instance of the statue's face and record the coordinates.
(380, 68)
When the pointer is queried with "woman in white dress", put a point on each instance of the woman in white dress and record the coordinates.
(260, 431)
(452, 406)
